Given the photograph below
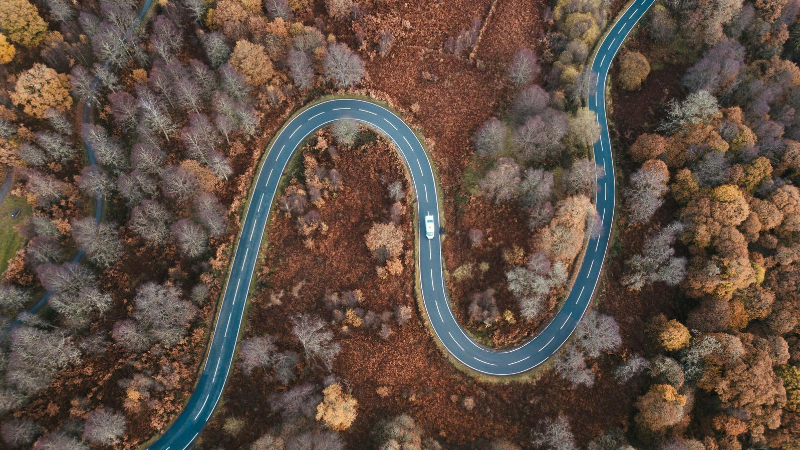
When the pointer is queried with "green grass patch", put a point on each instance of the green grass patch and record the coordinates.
(10, 239)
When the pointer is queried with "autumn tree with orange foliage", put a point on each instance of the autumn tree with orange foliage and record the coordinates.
(337, 409)
(41, 88)
(670, 335)
(634, 68)
(252, 61)
(21, 23)
(7, 50)
(660, 408)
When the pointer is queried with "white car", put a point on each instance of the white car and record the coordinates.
(429, 226)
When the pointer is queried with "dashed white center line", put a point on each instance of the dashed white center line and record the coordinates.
(295, 131)
(548, 343)
(603, 219)
(454, 340)
(430, 250)
(341, 109)
(580, 295)
(390, 123)
(517, 362)
(612, 42)
(432, 285)
(420, 166)
(408, 143)
(605, 191)
(201, 408)
(251, 232)
(591, 266)
(229, 320)
(565, 321)
(269, 176)
(485, 362)
(260, 202)
(315, 115)
(368, 112)
(426, 191)
(603, 61)
(440, 313)
(246, 251)
(635, 11)
(597, 245)
(279, 152)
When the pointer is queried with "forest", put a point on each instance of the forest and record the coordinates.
(131, 132)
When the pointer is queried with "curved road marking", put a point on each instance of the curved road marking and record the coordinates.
(509, 362)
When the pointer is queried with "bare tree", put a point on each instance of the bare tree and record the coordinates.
(635, 365)
(278, 8)
(192, 239)
(108, 152)
(161, 314)
(165, 39)
(345, 131)
(657, 262)
(530, 101)
(104, 427)
(210, 213)
(147, 158)
(197, 8)
(385, 41)
(571, 366)
(55, 146)
(32, 155)
(12, 299)
(343, 67)
(124, 110)
(59, 122)
(502, 182)
(60, 440)
(490, 139)
(597, 333)
(257, 353)
(536, 187)
(154, 115)
(46, 188)
(100, 241)
(93, 181)
(36, 356)
(483, 307)
(19, 433)
(178, 183)
(646, 190)
(523, 67)
(150, 219)
(137, 186)
(43, 250)
(316, 339)
(216, 49)
(554, 434)
(300, 68)
(83, 86)
(315, 440)
(298, 402)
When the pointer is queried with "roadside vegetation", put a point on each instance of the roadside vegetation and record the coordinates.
(692, 342)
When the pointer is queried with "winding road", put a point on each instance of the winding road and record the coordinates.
(208, 390)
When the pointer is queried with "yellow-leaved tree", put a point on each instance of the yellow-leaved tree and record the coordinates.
(41, 88)
(20, 21)
(7, 50)
(338, 409)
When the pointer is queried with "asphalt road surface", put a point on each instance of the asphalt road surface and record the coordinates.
(501, 363)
